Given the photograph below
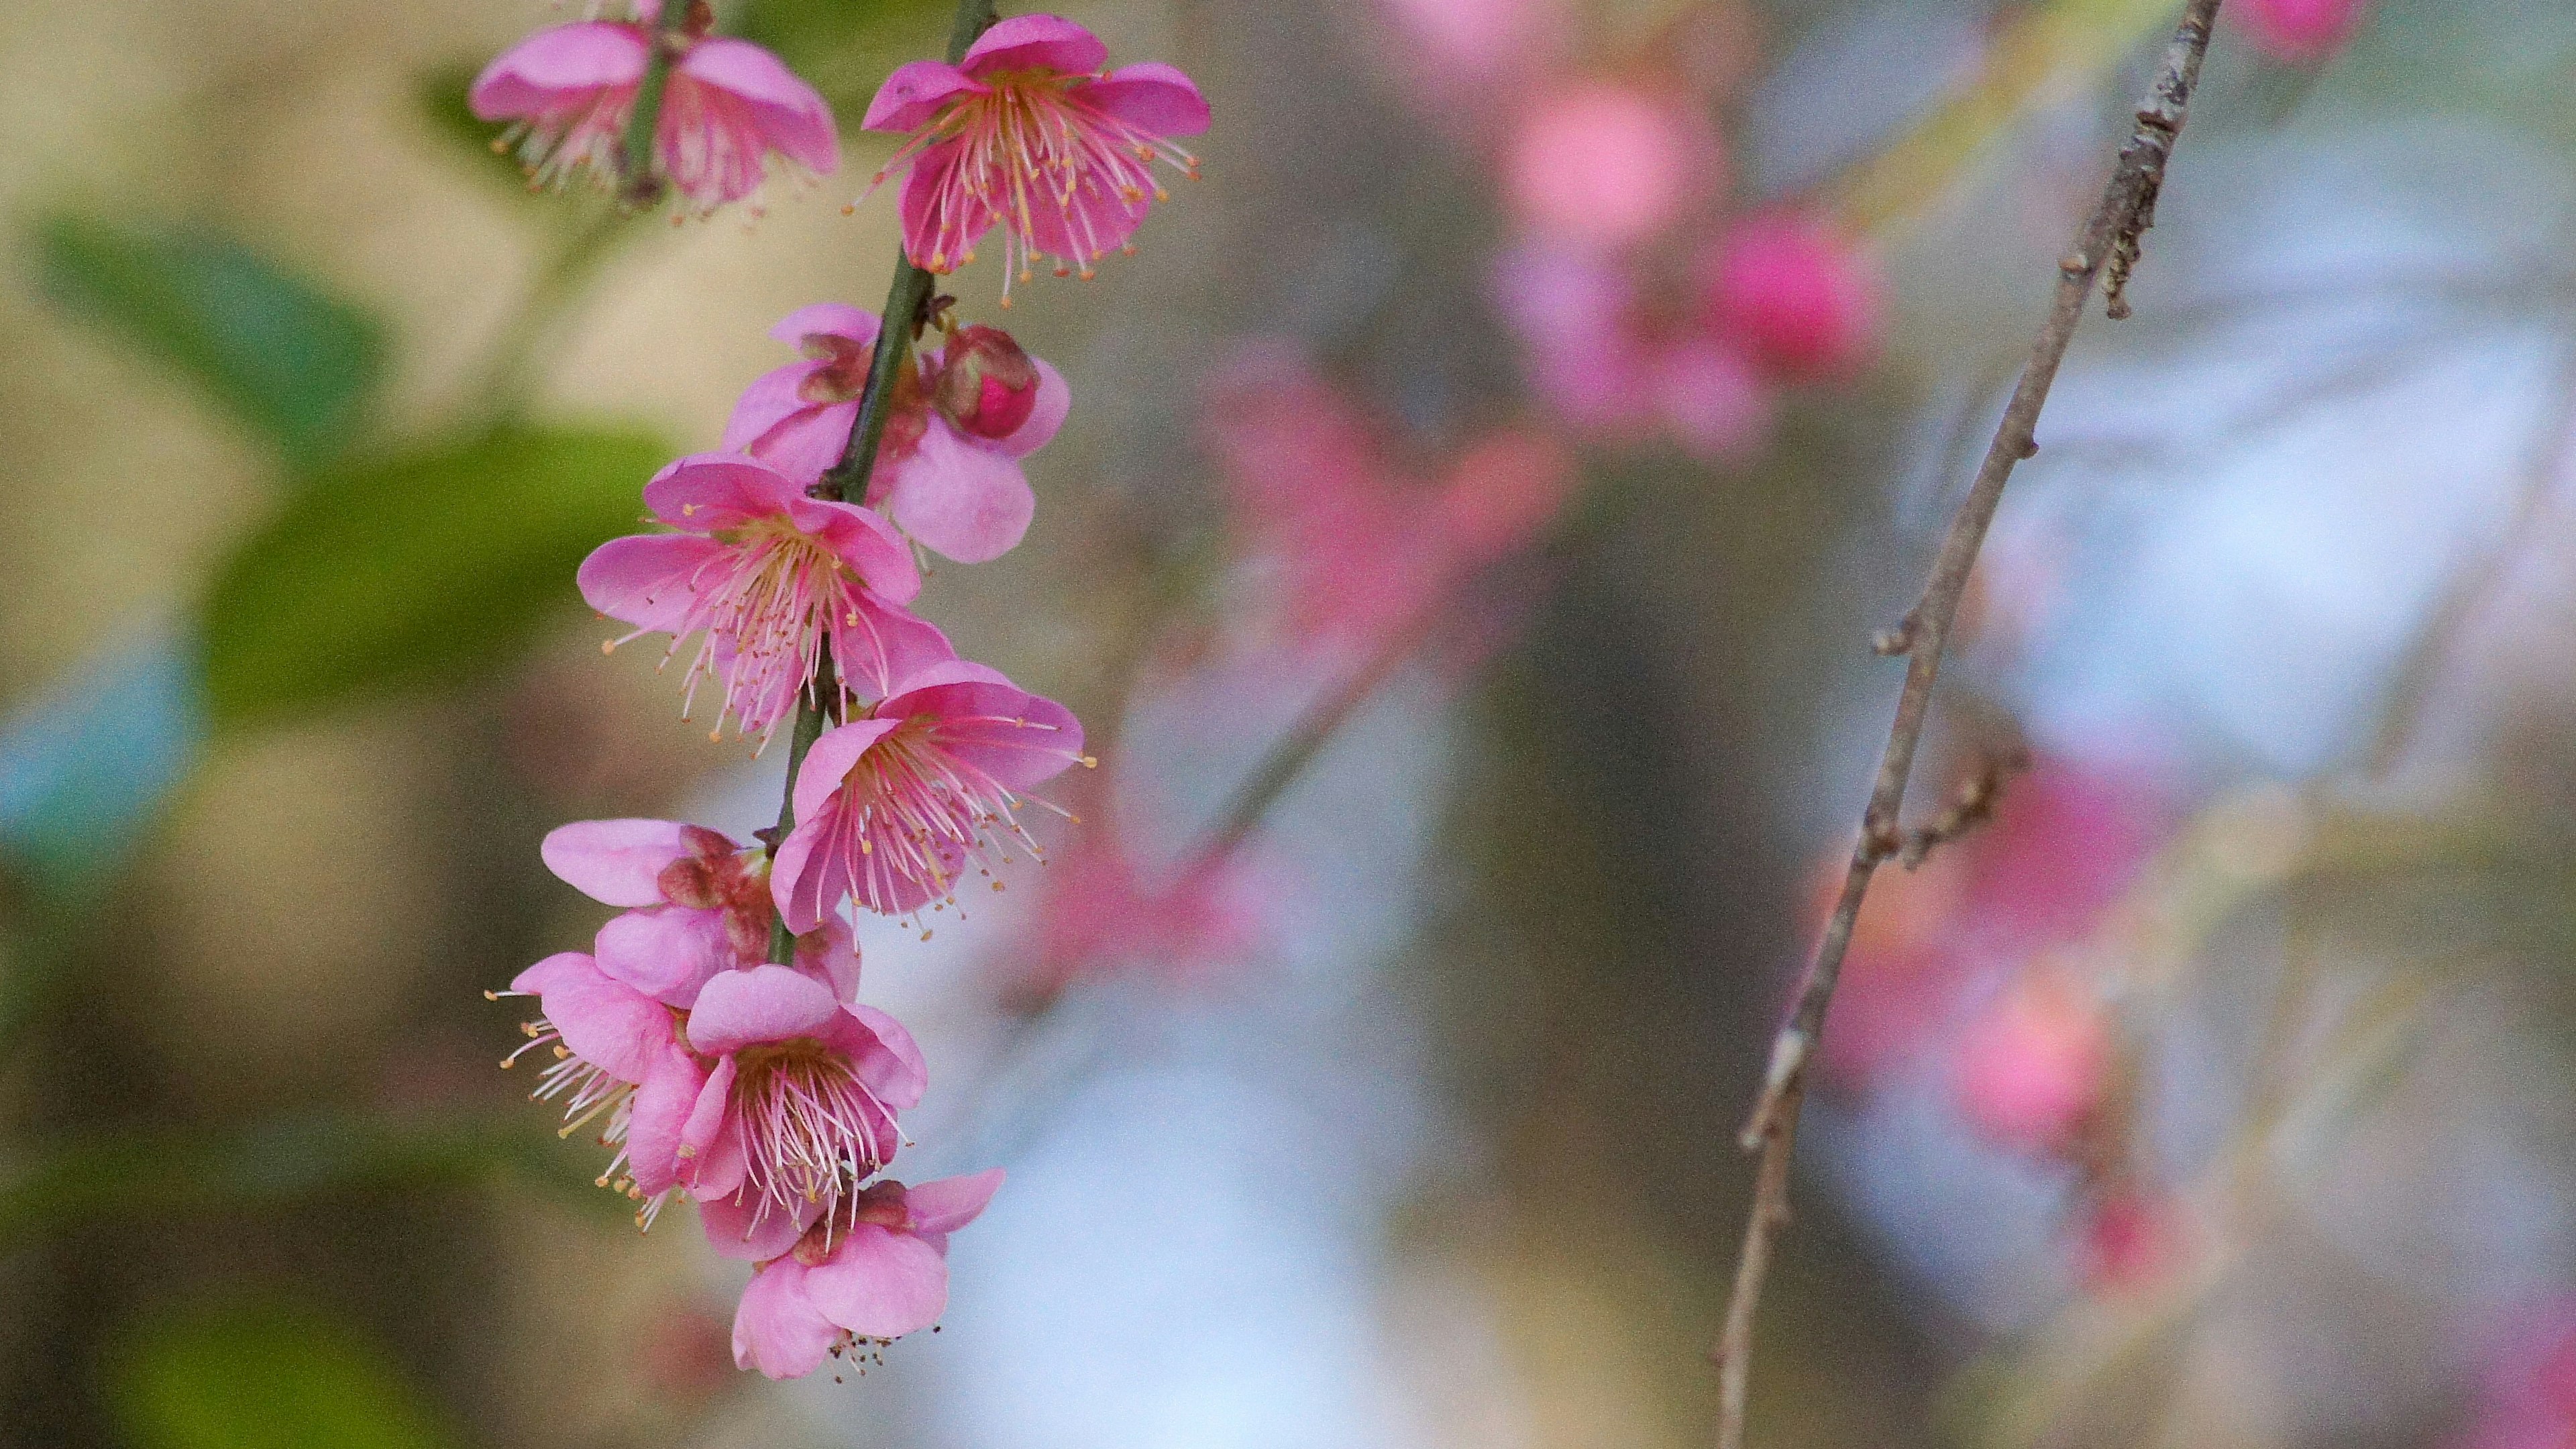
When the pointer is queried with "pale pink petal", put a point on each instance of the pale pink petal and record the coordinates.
(666, 952)
(967, 502)
(830, 954)
(618, 862)
(1053, 402)
(753, 1231)
(885, 643)
(711, 1156)
(806, 880)
(773, 398)
(777, 1330)
(942, 1207)
(539, 73)
(861, 538)
(661, 1110)
(945, 671)
(1150, 96)
(708, 491)
(794, 120)
(764, 1004)
(879, 1283)
(830, 760)
(809, 441)
(643, 579)
(889, 1060)
(915, 93)
(834, 319)
(535, 979)
(607, 1023)
(1035, 42)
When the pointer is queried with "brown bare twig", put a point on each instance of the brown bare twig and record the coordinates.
(2108, 243)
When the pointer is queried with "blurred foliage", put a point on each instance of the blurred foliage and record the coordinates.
(441, 96)
(846, 48)
(264, 1376)
(414, 569)
(295, 363)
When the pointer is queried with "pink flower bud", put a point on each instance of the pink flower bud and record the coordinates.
(2032, 1068)
(1794, 295)
(987, 386)
(2301, 32)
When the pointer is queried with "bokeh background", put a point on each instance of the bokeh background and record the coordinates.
(2216, 1093)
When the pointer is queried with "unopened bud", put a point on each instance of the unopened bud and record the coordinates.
(987, 385)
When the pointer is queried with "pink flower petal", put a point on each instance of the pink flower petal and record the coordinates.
(836, 319)
(778, 1330)
(915, 93)
(830, 954)
(618, 862)
(661, 1110)
(861, 538)
(942, 1207)
(705, 492)
(711, 1157)
(764, 1004)
(939, 212)
(643, 579)
(1094, 223)
(541, 72)
(665, 952)
(754, 1231)
(534, 980)
(889, 1060)
(879, 1283)
(884, 644)
(963, 500)
(607, 1023)
(1150, 96)
(1036, 42)
(1053, 402)
(830, 760)
(794, 120)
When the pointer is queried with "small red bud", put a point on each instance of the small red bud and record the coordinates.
(987, 386)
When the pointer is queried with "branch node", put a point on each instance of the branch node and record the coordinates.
(2029, 449)
(1899, 640)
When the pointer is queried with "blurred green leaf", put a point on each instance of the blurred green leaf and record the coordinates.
(266, 1375)
(414, 569)
(292, 361)
(441, 96)
(846, 48)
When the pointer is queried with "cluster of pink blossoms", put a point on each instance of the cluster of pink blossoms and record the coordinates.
(712, 1035)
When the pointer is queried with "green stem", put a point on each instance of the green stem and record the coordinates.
(641, 185)
(849, 477)
(504, 393)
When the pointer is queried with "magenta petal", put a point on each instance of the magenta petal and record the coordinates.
(830, 954)
(618, 862)
(963, 501)
(607, 1023)
(708, 491)
(777, 1330)
(879, 1283)
(915, 93)
(662, 1106)
(794, 120)
(1054, 400)
(951, 1203)
(805, 880)
(808, 442)
(862, 539)
(666, 952)
(711, 1157)
(883, 645)
(1150, 96)
(1036, 42)
(889, 1060)
(930, 226)
(764, 1004)
(830, 760)
(643, 579)
(837, 319)
(754, 1231)
(1092, 223)
(545, 70)
(534, 980)
(772, 398)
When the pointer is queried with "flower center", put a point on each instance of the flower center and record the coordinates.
(812, 1131)
(767, 601)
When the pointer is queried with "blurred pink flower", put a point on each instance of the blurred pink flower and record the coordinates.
(618, 1057)
(767, 574)
(948, 469)
(1102, 913)
(1465, 41)
(729, 105)
(883, 1275)
(1574, 313)
(2301, 32)
(2528, 1399)
(1796, 297)
(2127, 1240)
(1712, 404)
(1599, 164)
(701, 905)
(1502, 490)
(2032, 1068)
(797, 1110)
(1029, 131)
(891, 808)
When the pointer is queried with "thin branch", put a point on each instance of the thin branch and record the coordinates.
(906, 301)
(640, 184)
(2108, 243)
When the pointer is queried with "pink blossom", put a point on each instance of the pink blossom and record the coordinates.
(1503, 489)
(797, 1110)
(767, 575)
(1600, 164)
(728, 105)
(2034, 1066)
(2301, 32)
(1103, 912)
(1795, 296)
(701, 905)
(1472, 41)
(1574, 312)
(883, 1275)
(891, 808)
(1030, 131)
(619, 1061)
(949, 466)
(2128, 1240)
(1710, 400)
